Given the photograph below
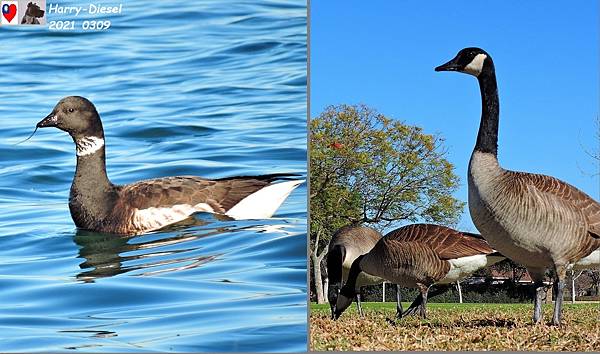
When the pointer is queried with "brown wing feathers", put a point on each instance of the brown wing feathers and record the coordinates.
(445, 242)
(221, 194)
(566, 194)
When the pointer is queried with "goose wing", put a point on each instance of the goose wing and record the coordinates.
(564, 197)
(220, 195)
(445, 242)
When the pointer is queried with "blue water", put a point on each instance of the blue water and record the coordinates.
(208, 88)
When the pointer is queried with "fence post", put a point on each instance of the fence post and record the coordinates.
(383, 294)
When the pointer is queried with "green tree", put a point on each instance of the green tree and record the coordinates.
(368, 168)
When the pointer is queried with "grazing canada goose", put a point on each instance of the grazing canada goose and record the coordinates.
(535, 220)
(345, 246)
(418, 256)
(97, 204)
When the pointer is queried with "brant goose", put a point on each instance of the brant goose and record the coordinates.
(99, 205)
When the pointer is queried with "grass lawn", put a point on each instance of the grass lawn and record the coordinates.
(453, 326)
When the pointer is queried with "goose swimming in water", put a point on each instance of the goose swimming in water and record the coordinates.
(97, 204)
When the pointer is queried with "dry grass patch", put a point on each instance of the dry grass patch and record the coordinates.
(457, 327)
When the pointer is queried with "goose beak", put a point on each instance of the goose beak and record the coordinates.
(50, 121)
(452, 65)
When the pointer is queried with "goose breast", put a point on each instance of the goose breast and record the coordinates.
(519, 215)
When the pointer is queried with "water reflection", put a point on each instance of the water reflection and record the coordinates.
(168, 250)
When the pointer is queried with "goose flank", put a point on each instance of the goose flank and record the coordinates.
(538, 221)
(97, 204)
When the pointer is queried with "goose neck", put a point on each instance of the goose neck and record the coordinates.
(91, 164)
(355, 270)
(487, 138)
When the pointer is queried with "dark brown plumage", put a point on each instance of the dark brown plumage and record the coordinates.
(447, 243)
(97, 204)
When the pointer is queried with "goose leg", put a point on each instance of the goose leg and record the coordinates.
(398, 303)
(412, 309)
(560, 287)
(436, 290)
(540, 294)
(358, 305)
(423, 305)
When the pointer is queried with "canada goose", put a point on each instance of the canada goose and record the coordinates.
(345, 246)
(535, 220)
(99, 205)
(418, 256)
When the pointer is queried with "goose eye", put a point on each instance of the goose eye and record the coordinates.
(71, 110)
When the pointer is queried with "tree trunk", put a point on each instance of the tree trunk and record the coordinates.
(326, 288)
(549, 293)
(572, 288)
(573, 278)
(316, 259)
(318, 279)
(460, 299)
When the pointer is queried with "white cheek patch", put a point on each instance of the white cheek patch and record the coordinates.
(476, 65)
(88, 145)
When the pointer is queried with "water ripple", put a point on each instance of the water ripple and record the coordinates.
(213, 89)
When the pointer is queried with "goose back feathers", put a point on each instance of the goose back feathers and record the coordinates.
(345, 246)
(428, 254)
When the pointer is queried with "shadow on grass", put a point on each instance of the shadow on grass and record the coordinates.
(462, 323)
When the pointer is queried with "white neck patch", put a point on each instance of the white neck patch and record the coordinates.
(88, 145)
(476, 65)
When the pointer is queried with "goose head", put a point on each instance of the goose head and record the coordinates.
(332, 295)
(344, 300)
(76, 116)
(472, 61)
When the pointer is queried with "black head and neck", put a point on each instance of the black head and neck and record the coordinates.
(477, 62)
(348, 291)
(335, 260)
(78, 117)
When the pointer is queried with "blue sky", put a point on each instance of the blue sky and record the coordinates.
(382, 53)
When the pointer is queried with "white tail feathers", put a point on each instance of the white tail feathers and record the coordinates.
(263, 203)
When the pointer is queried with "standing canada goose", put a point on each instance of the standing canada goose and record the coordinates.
(418, 256)
(97, 204)
(345, 246)
(535, 220)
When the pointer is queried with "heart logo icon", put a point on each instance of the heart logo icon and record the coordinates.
(9, 11)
